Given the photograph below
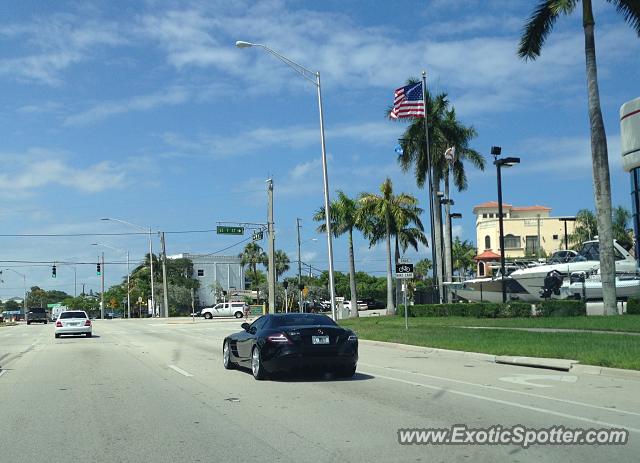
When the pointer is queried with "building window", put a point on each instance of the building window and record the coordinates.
(200, 272)
(511, 241)
(487, 242)
(481, 270)
(555, 237)
(532, 245)
(484, 216)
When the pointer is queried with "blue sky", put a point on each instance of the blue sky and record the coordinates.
(147, 112)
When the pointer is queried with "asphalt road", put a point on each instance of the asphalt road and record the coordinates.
(156, 391)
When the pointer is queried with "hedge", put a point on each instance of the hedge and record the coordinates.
(633, 306)
(561, 308)
(473, 309)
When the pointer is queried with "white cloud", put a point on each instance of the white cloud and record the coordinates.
(38, 168)
(172, 96)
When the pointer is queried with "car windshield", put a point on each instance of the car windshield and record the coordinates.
(39, 310)
(73, 315)
(301, 320)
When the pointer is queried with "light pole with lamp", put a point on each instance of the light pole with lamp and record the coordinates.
(566, 235)
(500, 163)
(153, 297)
(314, 78)
(128, 274)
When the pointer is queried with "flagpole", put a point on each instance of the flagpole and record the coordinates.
(434, 263)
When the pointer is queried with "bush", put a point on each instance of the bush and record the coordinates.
(633, 306)
(561, 308)
(473, 309)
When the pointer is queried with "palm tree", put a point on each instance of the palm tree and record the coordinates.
(586, 227)
(343, 212)
(381, 216)
(535, 33)
(252, 255)
(463, 254)
(444, 131)
(282, 263)
(621, 230)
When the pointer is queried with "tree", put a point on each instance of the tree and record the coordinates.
(538, 27)
(12, 305)
(343, 213)
(251, 256)
(586, 228)
(444, 131)
(421, 269)
(282, 263)
(387, 212)
(621, 231)
(463, 253)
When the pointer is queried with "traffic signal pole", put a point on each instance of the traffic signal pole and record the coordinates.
(102, 287)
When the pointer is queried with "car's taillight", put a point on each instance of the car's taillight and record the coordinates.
(87, 323)
(278, 338)
(59, 324)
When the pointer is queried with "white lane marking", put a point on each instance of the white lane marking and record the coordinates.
(2, 372)
(504, 402)
(180, 370)
(525, 379)
(511, 391)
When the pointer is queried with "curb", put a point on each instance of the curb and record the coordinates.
(573, 366)
(606, 371)
(534, 362)
(430, 350)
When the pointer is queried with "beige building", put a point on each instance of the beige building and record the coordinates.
(528, 231)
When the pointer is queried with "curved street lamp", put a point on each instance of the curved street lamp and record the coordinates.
(314, 78)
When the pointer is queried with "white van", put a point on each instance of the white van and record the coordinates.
(226, 309)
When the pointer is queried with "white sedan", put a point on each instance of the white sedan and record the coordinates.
(73, 322)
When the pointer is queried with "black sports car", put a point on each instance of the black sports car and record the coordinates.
(285, 342)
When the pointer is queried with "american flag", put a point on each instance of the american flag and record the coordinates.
(408, 101)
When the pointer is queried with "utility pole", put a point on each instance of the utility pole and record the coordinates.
(102, 290)
(153, 293)
(165, 283)
(299, 269)
(271, 271)
(128, 289)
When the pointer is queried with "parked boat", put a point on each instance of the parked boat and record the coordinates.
(528, 284)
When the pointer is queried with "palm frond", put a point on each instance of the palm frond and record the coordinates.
(537, 29)
(630, 11)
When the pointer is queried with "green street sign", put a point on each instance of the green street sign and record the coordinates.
(220, 230)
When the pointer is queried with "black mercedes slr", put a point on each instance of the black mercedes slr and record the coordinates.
(285, 342)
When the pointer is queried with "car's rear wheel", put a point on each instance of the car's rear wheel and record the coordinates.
(226, 356)
(346, 372)
(208, 316)
(88, 335)
(57, 335)
(28, 323)
(256, 364)
(238, 314)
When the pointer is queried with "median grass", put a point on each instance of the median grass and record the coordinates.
(626, 323)
(609, 350)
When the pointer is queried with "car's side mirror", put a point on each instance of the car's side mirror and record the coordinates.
(245, 326)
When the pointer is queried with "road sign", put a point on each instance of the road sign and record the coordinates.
(404, 270)
(404, 260)
(257, 235)
(221, 230)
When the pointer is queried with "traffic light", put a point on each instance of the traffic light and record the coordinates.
(53, 271)
(98, 270)
(301, 286)
(285, 283)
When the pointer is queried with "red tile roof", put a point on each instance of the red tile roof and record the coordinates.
(487, 255)
(531, 208)
(490, 204)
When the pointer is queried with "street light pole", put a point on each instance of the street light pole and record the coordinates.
(507, 162)
(24, 287)
(299, 269)
(153, 298)
(307, 74)
(102, 289)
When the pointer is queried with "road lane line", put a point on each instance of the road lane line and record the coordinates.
(504, 402)
(180, 370)
(503, 389)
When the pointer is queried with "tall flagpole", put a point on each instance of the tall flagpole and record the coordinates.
(434, 263)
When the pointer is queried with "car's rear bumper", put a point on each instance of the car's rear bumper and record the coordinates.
(73, 330)
(289, 361)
